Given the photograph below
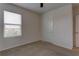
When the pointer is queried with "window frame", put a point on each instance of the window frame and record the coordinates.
(12, 24)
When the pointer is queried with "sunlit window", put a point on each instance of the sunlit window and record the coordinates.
(12, 24)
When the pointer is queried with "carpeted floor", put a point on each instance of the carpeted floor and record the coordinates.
(39, 49)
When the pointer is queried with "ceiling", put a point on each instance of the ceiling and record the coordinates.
(36, 6)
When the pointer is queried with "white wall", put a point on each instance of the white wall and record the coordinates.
(61, 33)
(30, 27)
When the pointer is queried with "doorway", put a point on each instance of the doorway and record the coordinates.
(77, 30)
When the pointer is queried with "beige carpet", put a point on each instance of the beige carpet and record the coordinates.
(38, 49)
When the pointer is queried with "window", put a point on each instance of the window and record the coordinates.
(12, 24)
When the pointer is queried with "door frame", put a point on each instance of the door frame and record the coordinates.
(74, 29)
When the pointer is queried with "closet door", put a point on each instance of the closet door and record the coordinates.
(77, 31)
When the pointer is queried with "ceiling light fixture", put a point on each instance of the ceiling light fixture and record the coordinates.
(41, 5)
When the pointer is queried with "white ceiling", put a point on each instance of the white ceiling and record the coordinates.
(36, 6)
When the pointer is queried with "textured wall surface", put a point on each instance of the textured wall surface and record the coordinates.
(58, 26)
(30, 27)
